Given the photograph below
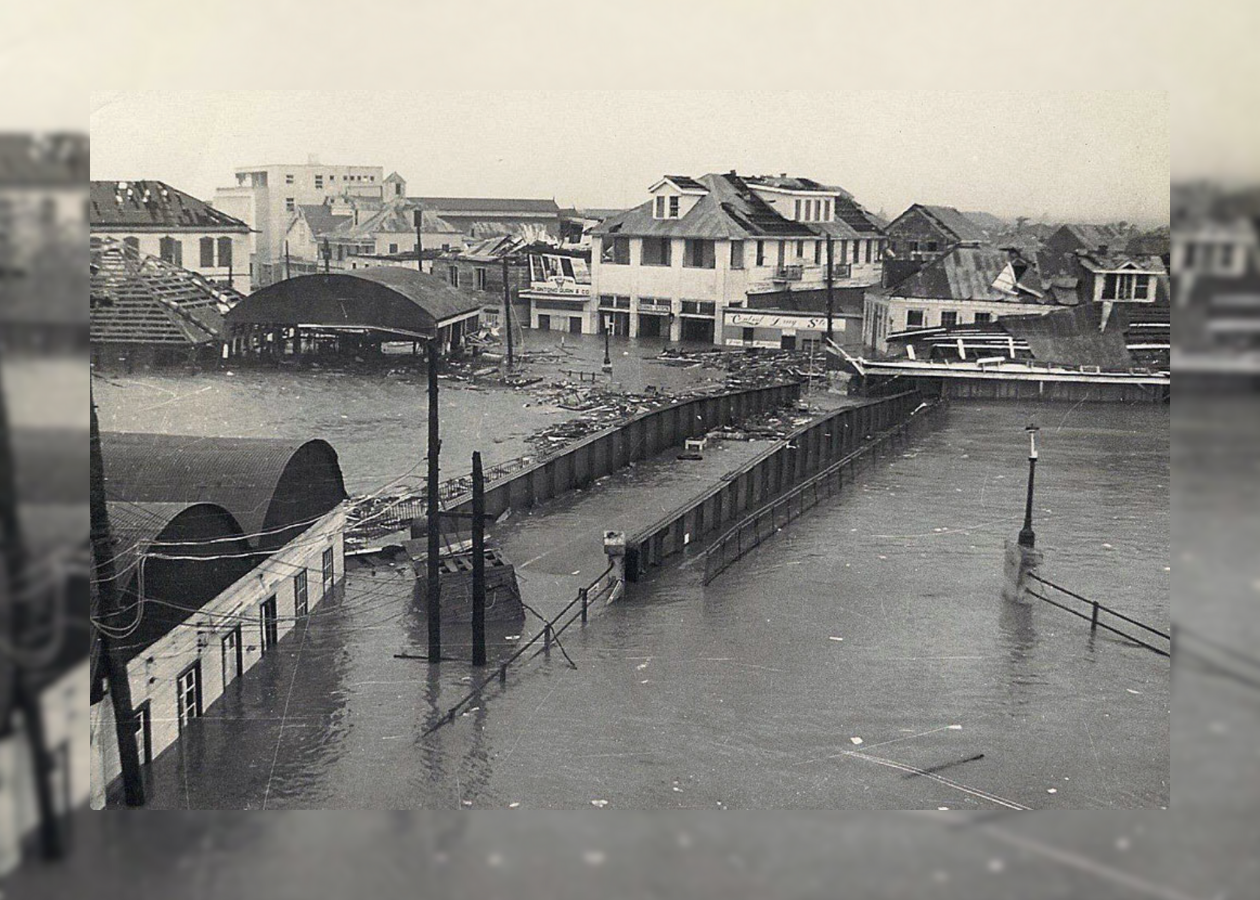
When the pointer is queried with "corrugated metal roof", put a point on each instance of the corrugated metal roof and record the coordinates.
(144, 205)
(492, 205)
(1092, 237)
(1072, 337)
(55, 160)
(389, 298)
(396, 217)
(267, 485)
(965, 273)
(320, 219)
(953, 222)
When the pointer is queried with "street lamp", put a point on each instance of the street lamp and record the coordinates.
(1026, 536)
(607, 357)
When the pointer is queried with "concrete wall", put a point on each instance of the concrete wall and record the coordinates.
(643, 437)
(805, 452)
(153, 673)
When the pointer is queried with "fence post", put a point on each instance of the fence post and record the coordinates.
(1093, 621)
(547, 639)
(583, 593)
(503, 674)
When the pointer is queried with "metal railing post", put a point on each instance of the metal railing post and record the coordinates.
(582, 592)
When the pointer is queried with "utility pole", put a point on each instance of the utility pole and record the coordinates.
(607, 321)
(24, 698)
(831, 278)
(478, 562)
(418, 218)
(1026, 536)
(507, 312)
(115, 666)
(286, 260)
(434, 605)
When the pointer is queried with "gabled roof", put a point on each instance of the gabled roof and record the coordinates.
(153, 206)
(964, 273)
(320, 219)
(55, 160)
(1091, 237)
(796, 183)
(137, 298)
(488, 205)
(393, 177)
(949, 220)
(396, 217)
(684, 183)
(1115, 262)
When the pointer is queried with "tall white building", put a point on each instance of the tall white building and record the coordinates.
(698, 246)
(268, 197)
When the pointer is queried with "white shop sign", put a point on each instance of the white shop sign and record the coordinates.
(769, 320)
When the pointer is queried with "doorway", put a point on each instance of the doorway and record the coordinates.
(697, 330)
(231, 656)
(650, 326)
(544, 322)
(270, 626)
(575, 325)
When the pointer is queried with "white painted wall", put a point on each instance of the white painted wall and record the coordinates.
(151, 243)
(154, 672)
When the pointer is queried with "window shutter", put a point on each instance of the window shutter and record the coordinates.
(207, 253)
(225, 252)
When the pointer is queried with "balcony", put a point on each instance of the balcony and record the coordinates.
(788, 273)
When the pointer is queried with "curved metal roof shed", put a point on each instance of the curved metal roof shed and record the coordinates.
(174, 589)
(393, 302)
(275, 489)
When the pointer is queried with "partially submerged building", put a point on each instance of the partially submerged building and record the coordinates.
(356, 311)
(145, 311)
(160, 220)
(223, 546)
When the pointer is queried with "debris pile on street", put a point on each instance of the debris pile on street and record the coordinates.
(749, 368)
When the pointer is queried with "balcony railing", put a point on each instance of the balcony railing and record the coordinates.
(788, 273)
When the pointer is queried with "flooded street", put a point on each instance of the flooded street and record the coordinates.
(861, 659)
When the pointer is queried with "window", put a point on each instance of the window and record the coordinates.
(660, 208)
(655, 251)
(132, 242)
(673, 207)
(870, 248)
(268, 625)
(230, 656)
(879, 251)
(301, 594)
(289, 204)
(207, 253)
(1126, 286)
(225, 253)
(288, 179)
(737, 254)
(949, 318)
(750, 333)
(615, 251)
(481, 279)
(1227, 256)
(914, 246)
(827, 210)
(1141, 287)
(982, 318)
(800, 249)
(932, 246)
(761, 253)
(188, 694)
(698, 254)
(798, 210)
(319, 182)
(843, 256)
(171, 250)
(452, 275)
(818, 245)
(782, 252)
(393, 248)
(914, 318)
(328, 570)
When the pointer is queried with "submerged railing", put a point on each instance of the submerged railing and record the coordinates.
(1096, 610)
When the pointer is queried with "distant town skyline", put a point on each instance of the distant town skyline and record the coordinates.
(1064, 156)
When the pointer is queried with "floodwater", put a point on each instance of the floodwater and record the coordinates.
(862, 659)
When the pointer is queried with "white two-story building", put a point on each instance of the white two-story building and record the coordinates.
(672, 265)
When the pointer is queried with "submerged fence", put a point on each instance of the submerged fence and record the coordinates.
(1095, 611)
(806, 451)
(577, 609)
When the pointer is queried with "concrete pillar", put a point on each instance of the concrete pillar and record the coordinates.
(1019, 563)
(615, 549)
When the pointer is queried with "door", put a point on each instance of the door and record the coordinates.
(188, 695)
(144, 733)
(544, 323)
(270, 630)
(575, 325)
(231, 655)
(787, 342)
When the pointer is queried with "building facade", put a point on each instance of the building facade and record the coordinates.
(530, 220)
(671, 266)
(267, 197)
(926, 232)
(163, 221)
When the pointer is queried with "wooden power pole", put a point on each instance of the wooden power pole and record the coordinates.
(478, 562)
(418, 218)
(831, 277)
(507, 312)
(115, 667)
(434, 601)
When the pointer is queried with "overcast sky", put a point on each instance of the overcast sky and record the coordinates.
(1069, 156)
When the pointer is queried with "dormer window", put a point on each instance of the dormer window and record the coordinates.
(673, 207)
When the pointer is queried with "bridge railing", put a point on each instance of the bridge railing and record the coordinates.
(1095, 612)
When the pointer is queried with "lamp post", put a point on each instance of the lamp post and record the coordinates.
(1026, 536)
(607, 356)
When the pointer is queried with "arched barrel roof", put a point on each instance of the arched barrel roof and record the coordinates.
(387, 298)
(274, 488)
(171, 591)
